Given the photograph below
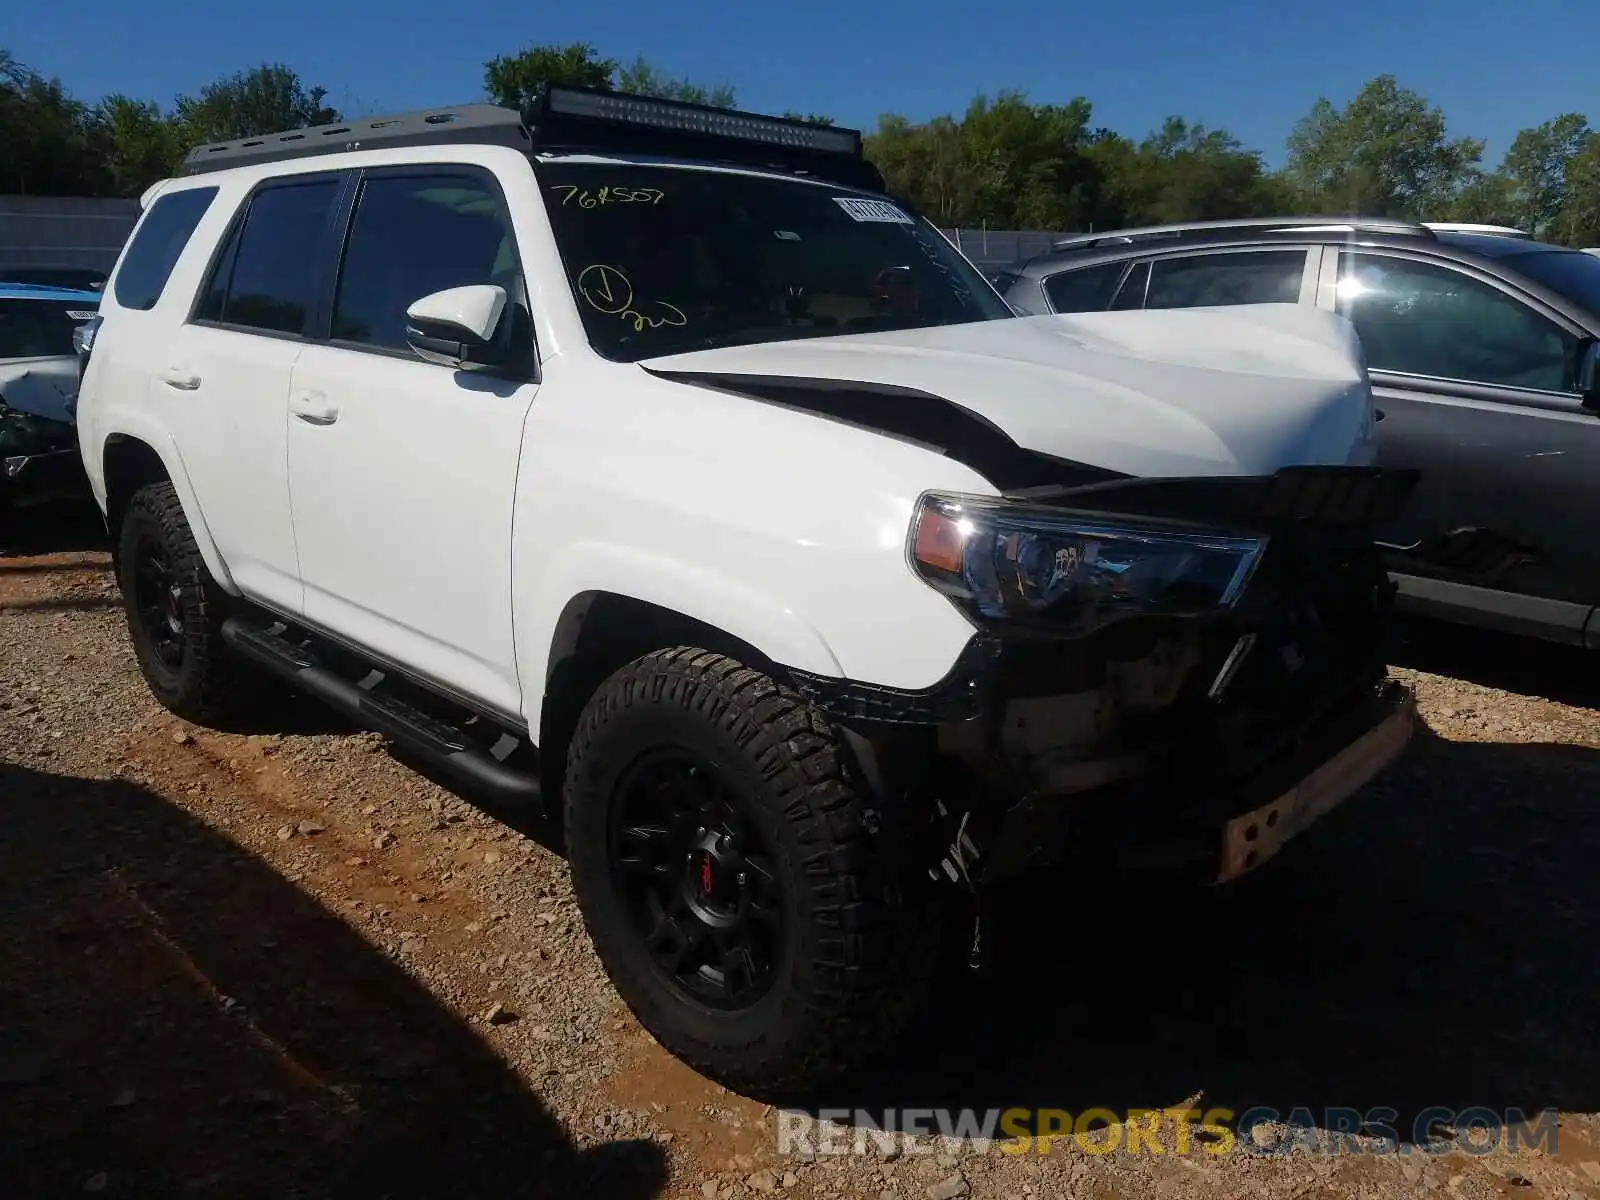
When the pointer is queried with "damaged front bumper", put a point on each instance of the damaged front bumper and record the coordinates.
(1196, 746)
(39, 458)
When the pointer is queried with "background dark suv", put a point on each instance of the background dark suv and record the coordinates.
(1482, 348)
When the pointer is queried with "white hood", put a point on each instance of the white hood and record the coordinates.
(44, 387)
(1241, 390)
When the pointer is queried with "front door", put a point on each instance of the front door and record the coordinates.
(1477, 389)
(403, 473)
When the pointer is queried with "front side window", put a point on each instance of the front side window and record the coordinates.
(266, 276)
(664, 260)
(1244, 277)
(33, 328)
(1422, 319)
(1088, 289)
(157, 243)
(412, 236)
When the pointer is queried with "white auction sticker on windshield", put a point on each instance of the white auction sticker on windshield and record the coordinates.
(872, 210)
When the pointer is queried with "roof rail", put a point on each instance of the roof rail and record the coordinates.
(482, 123)
(1085, 241)
(1471, 227)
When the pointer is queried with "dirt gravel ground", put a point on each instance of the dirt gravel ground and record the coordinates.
(279, 962)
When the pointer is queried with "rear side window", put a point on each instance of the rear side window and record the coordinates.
(413, 236)
(40, 328)
(1248, 277)
(1088, 289)
(160, 239)
(266, 276)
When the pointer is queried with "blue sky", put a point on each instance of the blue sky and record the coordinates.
(1250, 66)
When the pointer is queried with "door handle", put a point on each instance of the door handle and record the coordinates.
(312, 407)
(181, 378)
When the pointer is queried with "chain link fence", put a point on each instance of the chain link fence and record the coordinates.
(991, 248)
(62, 231)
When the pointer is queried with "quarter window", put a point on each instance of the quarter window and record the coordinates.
(1422, 319)
(266, 276)
(1088, 289)
(1247, 277)
(155, 248)
(412, 236)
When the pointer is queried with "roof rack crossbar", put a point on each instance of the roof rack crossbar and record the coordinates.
(1177, 229)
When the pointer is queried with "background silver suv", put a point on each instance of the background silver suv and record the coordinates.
(1482, 346)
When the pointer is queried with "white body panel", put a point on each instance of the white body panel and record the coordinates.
(448, 522)
(1230, 391)
(404, 483)
(223, 395)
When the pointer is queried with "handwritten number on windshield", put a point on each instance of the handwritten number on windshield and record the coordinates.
(608, 290)
(607, 195)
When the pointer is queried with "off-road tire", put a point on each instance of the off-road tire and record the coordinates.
(861, 951)
(210, 685)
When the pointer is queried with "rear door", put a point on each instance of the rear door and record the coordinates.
(225, 376)
(1476, 380)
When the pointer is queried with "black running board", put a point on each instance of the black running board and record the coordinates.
(366, 703)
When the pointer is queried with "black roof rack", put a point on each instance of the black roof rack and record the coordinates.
(488, 124)
(1220, 227)
(577, 119)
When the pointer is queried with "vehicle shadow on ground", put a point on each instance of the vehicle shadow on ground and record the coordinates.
(55, 528)
(1430, 943)
(176, 1016)
(1526, 666)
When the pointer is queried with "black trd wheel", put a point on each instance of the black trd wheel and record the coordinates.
(726, 874)
(175, 612)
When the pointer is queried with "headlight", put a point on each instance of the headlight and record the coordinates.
(1006, 561)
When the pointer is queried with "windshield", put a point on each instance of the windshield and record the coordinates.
(40, 328)
(1573, 273)
(665, 259)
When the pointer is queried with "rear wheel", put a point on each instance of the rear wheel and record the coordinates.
(727, 876)
(175, 611)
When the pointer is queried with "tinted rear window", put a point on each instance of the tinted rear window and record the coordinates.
(1087, 289)
(157, 243)
(40, 328)
(267, 274)
(1573, 273)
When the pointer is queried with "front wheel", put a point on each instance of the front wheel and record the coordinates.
(727, 876)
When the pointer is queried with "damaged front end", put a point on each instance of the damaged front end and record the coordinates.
(39, 457)
(1163, 673)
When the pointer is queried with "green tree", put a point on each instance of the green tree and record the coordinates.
(513, 80)
(1485, 197)
(1535, 170)
(808, 118)
(1578, 222)
(645, 80)
(141, 144)
(1185, 172)
(47, 144)
(265, 99)
(1385, 153)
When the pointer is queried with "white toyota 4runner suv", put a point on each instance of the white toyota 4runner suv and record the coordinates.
(648, 462)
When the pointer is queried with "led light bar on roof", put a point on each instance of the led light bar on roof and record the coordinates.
(697, 119)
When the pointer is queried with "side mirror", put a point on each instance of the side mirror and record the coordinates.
(464, 327)
(1588, 373)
